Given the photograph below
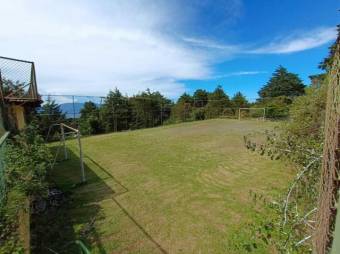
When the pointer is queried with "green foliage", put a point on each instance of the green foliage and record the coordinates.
(239, 101)
(114, 110)
(276, 107)
(27, 160)
(200, 98)
(299, 140)
(148, 109)
(144, 110)
(328, 61)
(13, 88)
(203, 105)
(9, 237)
(218, 101)
(90, 122)
(50, 114)
(282, 83)
(182, 111)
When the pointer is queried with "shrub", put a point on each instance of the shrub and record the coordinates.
(27, 160)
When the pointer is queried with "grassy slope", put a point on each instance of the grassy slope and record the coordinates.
(176, 189)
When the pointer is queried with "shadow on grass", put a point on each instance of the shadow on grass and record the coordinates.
(56, 230)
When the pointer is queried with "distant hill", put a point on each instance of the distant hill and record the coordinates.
(71, 110)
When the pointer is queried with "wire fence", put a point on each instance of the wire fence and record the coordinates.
(98, 114)
(3, 140)
(17, 80)
(330, 181)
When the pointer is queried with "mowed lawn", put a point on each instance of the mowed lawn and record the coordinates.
(176, 189)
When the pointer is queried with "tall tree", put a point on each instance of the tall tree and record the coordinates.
(115, 112)
(149, 109)
(282, 83)
(239, 101)
(49, 114)
(200, 98)
(89, 121)
(218, 100)
(183, 109)
(185, 98)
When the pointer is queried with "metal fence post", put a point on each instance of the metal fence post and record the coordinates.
(81, 158)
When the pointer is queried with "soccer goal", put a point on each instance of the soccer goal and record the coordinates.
(64, 132)
(252, 113)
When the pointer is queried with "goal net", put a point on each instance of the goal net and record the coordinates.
(252, 113)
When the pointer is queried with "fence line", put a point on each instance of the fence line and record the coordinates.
(330, 182)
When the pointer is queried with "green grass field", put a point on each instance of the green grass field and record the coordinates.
(176, 189)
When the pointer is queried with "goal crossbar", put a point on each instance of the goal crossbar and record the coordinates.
(263, 117)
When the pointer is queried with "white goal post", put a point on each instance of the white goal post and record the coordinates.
(252, 111)
(63, 134)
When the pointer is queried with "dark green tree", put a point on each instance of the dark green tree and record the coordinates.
(183, 110)
(282, 83)
(200, 98)
(49, 114)
(148, 109)
(218, 101)
(114, 113)
(89, 121)
(186, 98)
(239, 101)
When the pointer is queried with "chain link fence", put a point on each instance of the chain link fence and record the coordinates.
(98, 114)
(17, 80)
(330, 182)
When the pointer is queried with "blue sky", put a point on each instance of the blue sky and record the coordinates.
(89, 47)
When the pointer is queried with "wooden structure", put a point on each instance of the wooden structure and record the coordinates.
(18, 92)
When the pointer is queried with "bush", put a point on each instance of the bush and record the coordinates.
(299, 140)
(27, 160)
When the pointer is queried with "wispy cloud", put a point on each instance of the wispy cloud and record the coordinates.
(238, 73)
(298, 42)
(205, 43)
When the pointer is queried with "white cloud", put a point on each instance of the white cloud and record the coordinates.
(237, 73)
(206, 43)
(83, 49)
(86, 47)
(298, 42)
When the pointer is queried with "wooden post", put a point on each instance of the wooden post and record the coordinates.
(239, 114)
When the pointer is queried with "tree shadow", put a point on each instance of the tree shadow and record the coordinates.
(56, 230)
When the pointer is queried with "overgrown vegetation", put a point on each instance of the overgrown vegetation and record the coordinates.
(27, 160)
(299, 140)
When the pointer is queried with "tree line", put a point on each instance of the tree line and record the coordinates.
(150, 109)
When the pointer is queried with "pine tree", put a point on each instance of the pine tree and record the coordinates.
(90, 119)
(282, 83)
(49, 114)
(114, 113)
(239, 101)
(218, 101)
(200, 98)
